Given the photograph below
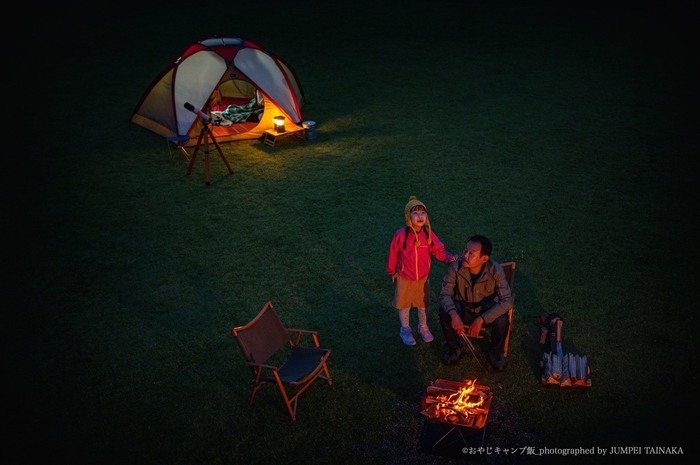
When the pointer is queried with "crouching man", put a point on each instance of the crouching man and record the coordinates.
(475, 292)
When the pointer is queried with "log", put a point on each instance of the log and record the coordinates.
(573, 366)
(546, 364)
(566, 370)
(556, 366)
(582, 364)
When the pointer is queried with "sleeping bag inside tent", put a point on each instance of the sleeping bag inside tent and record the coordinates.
(236, 81)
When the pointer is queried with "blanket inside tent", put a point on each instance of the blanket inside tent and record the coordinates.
(237, 113)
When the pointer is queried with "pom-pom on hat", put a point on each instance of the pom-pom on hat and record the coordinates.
(413, 202)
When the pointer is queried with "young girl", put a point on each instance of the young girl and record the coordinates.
(410, 257)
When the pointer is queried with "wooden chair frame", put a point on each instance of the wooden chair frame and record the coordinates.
(509, 268)
(277, 355)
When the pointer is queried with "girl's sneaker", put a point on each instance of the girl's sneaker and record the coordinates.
(425, 333)
(407, 336)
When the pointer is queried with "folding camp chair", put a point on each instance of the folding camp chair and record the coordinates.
(177, 142)
(275, 354)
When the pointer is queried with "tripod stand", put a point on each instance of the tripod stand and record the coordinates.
(203, 140)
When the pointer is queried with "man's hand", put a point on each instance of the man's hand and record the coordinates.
(457, 323)
(475, 327)
(394, 277)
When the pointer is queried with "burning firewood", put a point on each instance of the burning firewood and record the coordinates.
(463, 403)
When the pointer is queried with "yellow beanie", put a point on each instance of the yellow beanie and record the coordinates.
(412, 203)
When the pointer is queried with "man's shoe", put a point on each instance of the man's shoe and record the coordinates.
(424, 332)
(407, 336)
(452, 356)
(497, 361)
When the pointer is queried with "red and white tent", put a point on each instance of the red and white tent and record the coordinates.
(220, 76)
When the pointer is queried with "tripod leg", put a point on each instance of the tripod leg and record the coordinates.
(205, 134)
(207, 171)
(221, 153)
(204, 139)
(196, 150)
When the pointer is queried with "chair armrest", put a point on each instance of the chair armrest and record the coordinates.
(296, 335)
(262, 365)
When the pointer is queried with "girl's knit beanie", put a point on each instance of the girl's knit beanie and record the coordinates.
(413, 202)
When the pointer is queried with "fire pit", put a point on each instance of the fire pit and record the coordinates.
(459, 403)
(455, 414)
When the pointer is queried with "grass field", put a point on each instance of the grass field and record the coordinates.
(565, 133)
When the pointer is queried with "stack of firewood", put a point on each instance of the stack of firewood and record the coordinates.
(567, 370)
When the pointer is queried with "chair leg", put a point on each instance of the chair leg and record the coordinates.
(291, 404)
(254, 391)
(184, 152)
(327, 377)
(178, 142)
(510, 329)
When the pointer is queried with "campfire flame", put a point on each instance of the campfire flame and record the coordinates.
(463, 403)
(460, 400)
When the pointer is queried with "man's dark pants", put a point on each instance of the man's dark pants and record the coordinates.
(499, 328)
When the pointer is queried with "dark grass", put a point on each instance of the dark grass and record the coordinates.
(567, 134)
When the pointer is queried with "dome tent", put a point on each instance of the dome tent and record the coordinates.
(221, 75)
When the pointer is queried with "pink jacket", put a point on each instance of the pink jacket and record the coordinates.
(412, 261)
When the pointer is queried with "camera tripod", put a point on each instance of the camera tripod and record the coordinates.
(203, 141)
